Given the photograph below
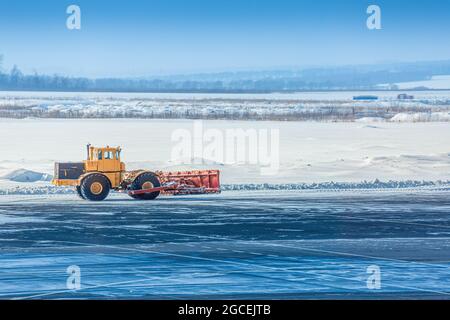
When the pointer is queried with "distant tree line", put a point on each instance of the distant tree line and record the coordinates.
(344, 78)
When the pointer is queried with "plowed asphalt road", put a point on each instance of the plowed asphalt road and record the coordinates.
(265, 244)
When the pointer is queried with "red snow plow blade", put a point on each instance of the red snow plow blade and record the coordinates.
(187, 182)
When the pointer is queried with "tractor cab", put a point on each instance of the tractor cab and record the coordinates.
(104, 159)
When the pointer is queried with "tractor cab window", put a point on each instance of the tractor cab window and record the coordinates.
(99, 155)
(109, 155)
(117, 155)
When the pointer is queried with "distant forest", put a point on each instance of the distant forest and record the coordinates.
(337, 78)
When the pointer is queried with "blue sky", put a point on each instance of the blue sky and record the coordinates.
(138, 38)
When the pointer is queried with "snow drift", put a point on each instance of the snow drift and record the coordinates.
(325, 186)
(23, 175)
(422, 117)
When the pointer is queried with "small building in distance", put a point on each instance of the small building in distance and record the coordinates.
(366, 97)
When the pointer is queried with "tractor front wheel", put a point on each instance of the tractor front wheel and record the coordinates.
(146, 180)
(95, 187)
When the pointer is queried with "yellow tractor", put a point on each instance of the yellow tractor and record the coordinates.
(103, 171)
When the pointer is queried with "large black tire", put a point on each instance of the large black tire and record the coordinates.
(148, 178)
(95, 187)
(79, 192)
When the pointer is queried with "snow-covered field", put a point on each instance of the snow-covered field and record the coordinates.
(299, 96)
(398, 142)
(317, 106)
(436, 82)
(309, 152)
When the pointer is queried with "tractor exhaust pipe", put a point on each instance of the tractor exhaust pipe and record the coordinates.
(88, 146)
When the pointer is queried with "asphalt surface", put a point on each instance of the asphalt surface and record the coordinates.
(269, 245)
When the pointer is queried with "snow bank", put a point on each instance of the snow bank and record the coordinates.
(421, 117)
(36, 190)
(376, 184)
(23, 175)
(370, 119)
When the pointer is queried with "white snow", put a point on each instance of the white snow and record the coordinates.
(375, 185)
(369, 119)
(436, 82)
(421, 117)
(23, 175)
(310, 152)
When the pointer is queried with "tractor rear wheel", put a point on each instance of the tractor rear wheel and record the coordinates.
(146, 180)
(95, 187)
